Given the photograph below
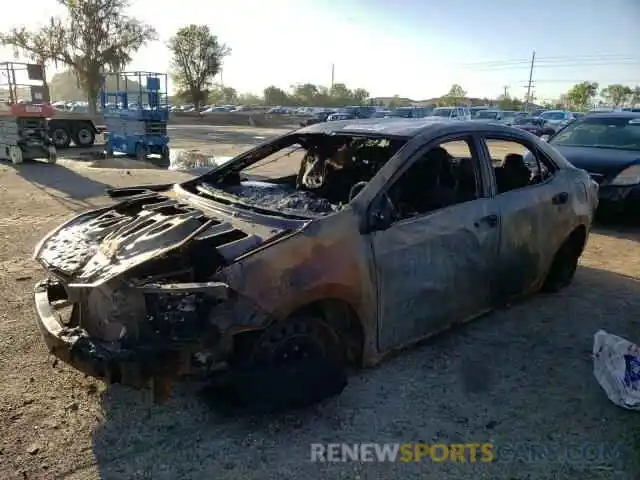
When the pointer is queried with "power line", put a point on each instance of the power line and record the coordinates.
(556, 59)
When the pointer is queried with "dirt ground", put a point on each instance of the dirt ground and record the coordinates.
(519, 378)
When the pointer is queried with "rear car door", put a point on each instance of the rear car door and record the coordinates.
(534, 206)
(435, 257)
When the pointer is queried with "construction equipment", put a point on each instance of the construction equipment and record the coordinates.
(24, 109)
(136, 114)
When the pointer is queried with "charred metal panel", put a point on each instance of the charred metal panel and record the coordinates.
(533, 228)
(97, 247)
(328, 259)
(434, 270)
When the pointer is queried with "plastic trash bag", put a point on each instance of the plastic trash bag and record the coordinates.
(616, 366)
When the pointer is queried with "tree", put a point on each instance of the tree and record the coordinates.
(635, 96)
(249, 99)
(197, 57)
(220, 95)
(274, 96)
(505, 102)
(455, 94)
(95, 36)
(616, 94)
(581, 94)
(360, 95)
(305, 94)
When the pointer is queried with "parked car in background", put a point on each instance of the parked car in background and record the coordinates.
(381, 113)
(508, 116)
(212, 110)
(410, 112)
(360, 111)
(340, 116)
(278, 111)
(317, 118)
(457, 113)
(557, 118)
(534, 125)
(607, 145)
(487, 115)
(474, 111)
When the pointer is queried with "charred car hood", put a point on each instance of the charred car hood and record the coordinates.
(100, 245)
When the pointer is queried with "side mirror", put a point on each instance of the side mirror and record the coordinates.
(381, 214)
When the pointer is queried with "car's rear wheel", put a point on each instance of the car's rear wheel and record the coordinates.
(294, 363)
(563, 268)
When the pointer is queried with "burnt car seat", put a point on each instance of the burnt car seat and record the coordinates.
(465, 181)
(513, 174)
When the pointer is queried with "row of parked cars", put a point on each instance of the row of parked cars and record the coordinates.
(538, 122)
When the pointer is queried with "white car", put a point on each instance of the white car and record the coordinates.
(457, 113)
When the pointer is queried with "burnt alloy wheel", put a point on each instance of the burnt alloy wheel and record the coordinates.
(563, 268)
(293, 364)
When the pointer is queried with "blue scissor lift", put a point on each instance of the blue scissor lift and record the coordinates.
(136, 114)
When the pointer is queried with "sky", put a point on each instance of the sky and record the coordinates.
(412, 48)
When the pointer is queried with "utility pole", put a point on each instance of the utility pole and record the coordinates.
(506, 91)
(333, 73)
(527, 100)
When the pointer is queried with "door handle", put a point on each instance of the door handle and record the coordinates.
(491, 220)
(560, 198)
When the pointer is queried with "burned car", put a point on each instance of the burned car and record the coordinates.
(382, 232)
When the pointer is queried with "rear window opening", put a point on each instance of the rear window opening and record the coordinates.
(308, 173)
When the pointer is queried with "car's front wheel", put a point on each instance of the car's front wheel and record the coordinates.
(294, 363)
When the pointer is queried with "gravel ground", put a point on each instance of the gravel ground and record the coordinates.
(519, 375)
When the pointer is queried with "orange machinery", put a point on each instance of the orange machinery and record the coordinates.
(24, 131)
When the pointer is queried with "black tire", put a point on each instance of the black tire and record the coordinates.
(563, 268)
(60, 137)
(165, 160)
(84, 136)
(141, 152)
(293, 364)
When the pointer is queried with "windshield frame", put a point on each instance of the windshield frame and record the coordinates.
(571, 127)
(215, 177)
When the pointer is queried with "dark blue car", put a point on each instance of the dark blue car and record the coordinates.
(607, 145)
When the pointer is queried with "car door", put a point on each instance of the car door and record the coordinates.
(435, 268)
(531, 214)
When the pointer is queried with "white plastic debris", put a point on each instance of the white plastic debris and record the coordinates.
(616, 366)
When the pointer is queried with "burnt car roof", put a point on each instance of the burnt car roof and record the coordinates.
(401, 127)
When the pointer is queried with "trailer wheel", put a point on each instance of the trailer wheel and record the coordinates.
(84, 136)
(16, 155)
(141, 152)
(60, 137)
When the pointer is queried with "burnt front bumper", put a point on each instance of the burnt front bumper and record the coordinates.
(108, 361)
